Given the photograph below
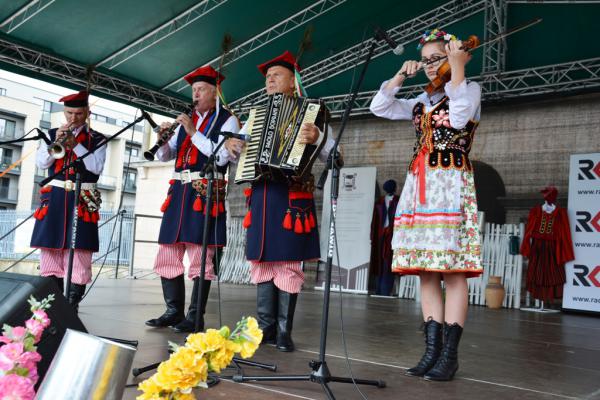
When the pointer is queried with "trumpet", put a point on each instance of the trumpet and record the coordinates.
(165, 136)
(58, 149)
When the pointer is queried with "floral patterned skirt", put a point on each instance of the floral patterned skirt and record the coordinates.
(442, 234)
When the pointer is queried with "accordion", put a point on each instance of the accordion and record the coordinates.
(273, 151)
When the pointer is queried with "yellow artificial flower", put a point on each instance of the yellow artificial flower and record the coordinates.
(248, 349)
(222, 358)
(252, 332)
(206, 342)
(151, 390)
(184, 396)
(183, 370)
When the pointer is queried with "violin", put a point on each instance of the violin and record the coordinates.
(444, 74)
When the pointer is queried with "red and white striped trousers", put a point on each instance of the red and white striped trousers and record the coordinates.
(55, 262)
(287, 276)
(169, 260)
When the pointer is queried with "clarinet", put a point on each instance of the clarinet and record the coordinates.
(165, 136)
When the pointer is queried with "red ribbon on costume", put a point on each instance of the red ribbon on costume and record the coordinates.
(188, 153)
(418, 169)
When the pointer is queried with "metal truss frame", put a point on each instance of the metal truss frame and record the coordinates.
(405, 33)
(160, 33)
(276, 31)
(74, 74)
(556, 78)
(24, 14)
(494, 54)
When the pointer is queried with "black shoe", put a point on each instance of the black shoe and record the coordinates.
(447, 365)
(188, 325)
(285, 319)
(75, 295)
(174, 295)
(266, 310)
(433, 348)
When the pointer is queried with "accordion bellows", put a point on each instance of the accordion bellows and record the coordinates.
(273, 151)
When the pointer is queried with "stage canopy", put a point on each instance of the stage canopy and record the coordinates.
(137, 52)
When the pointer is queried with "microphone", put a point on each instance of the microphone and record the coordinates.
(232, 135)
(42, 135)
(148, 118)
(380, 34)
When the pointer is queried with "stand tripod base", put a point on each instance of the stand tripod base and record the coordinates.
(236, 362)
(319, 375)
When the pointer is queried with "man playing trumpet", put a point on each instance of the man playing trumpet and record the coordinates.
(52, 230)
(185, 205)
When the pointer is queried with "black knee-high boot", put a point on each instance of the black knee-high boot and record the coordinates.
(447, 365)
(285, 318)
(75, 295)
(174, 295)
(433, 348)
(266, 309)
(60, 282)
(189, 323)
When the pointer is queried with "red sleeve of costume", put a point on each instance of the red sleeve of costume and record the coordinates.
(529, 228)
(564, 243)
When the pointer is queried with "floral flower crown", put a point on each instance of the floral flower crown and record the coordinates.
(433, 35)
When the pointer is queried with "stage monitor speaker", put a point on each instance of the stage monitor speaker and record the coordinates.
(15, 290)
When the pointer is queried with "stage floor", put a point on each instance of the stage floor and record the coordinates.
(504, 354)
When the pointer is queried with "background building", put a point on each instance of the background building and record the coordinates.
(25, 107)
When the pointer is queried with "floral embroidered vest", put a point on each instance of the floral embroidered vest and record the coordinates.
(447, 147)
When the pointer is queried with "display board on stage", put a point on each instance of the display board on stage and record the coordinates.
(582, 289)
(354, 212)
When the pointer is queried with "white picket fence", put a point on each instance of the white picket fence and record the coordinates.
(494, 253)
(233, 267)
(496, 262)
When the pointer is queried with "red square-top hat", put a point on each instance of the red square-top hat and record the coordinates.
(76, 100)
(205, 74)
(286, 60)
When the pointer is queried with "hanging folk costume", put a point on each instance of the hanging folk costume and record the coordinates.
(548, 246)
(435, 227)
(382, 226)
(281, 231)
(52, 229)
(185, 209)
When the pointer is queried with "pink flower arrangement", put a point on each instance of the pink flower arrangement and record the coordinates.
(18, 355)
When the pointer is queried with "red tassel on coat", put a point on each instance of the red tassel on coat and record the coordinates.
(287, 221)
(36, 214)
(165, 204)
(87, 217)
(298, 225)
(46, 189)
(311, 219)
(43, 212)
(213, 212)
(306, 224)
(197, 204)
(221, 207)
(247, 220)
(95, 217)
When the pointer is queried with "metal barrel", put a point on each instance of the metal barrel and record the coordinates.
(87, 367)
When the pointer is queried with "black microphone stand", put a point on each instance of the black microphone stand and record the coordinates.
(40, 135)
(76, 164)
(208, 172)
(320, 372)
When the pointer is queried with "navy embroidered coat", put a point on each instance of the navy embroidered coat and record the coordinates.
(52, 229)
(185, 207)
(268, 240)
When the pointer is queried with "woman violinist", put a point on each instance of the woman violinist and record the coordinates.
(436, 233)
